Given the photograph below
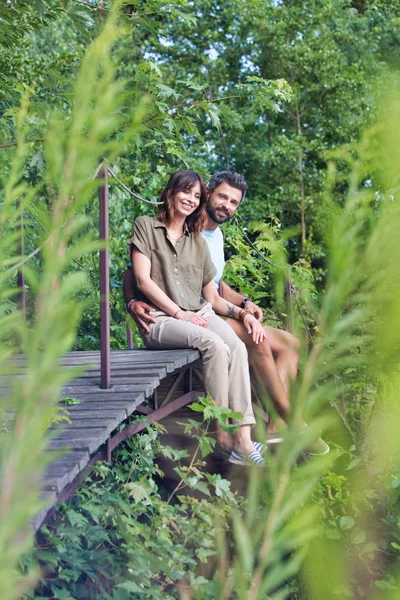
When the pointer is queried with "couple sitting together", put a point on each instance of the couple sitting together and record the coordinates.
(176, 293)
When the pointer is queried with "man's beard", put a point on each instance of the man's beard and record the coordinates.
(219, 219)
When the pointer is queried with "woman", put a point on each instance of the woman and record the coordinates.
(174, 273)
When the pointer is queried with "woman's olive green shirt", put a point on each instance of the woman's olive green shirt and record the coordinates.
(181, 271)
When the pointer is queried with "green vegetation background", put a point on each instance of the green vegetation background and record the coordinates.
(300, 97)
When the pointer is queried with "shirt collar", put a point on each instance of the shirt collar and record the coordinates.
(158, 223)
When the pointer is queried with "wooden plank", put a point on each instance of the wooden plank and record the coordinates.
(56, 482)
(49, 498)
(81, 412)
(71, 457)
(125, 370)
(93, 421)
(117, 381)
(104, 396)
(128, 406)
(77, 391)
(84, 434)
(93, 354)
(90, 356)
(90, 444)
(86, 423)
(80, 439)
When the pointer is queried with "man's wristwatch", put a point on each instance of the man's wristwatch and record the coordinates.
(243, 302)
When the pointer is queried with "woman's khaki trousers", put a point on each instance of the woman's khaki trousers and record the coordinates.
(225, 364)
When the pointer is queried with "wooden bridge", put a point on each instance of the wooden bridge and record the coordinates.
(153, 384)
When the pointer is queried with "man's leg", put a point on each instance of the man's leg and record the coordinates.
(285, 348)
(271, 374)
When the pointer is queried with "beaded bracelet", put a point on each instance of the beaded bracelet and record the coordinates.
(130, 303)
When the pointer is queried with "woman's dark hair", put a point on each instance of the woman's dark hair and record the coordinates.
(178, 182)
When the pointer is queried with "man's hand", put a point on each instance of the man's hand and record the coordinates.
(140, 313)
(254, 328)
(255, 310)
(191, 317)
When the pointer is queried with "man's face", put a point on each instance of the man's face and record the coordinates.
(223, 203)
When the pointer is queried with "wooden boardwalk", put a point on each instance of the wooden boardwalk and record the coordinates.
(95, 431)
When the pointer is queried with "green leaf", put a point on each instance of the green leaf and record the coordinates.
(70, 401)
(346, 523)
(213, 112)
(332, 534)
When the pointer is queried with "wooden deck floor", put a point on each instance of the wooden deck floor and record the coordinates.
(135, 375)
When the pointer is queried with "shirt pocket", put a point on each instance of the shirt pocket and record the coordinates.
(160, 266)
(194, 275)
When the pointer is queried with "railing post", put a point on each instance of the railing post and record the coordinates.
(129, 337)
(20, 275)
(104, 284)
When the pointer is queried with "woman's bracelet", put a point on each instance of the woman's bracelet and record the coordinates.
(243, 313)
(179, 310)
(130, 303)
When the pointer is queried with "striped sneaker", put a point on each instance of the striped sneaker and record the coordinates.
(237, 458)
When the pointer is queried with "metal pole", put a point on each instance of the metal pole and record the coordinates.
(20, 275)
(129, 337)
(104, 284)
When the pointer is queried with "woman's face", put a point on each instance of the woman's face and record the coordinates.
(185, 202)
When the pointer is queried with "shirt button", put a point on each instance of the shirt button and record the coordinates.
(177, 283)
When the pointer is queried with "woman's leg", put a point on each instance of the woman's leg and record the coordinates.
(239, 390)
(225, 366)
(169, 333)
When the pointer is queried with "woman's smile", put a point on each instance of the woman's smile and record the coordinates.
(186, 201)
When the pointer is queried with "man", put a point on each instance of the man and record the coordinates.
(273, 363)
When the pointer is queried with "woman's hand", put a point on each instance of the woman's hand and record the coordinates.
(191, 317)
(255, 310)
(254, 328)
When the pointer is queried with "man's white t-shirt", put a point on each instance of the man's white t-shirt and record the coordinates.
(215, 243)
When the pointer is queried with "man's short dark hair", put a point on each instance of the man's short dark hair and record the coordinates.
(229, 177)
